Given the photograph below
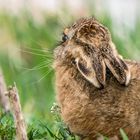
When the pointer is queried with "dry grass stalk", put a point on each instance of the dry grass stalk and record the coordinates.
(21, 133)
(3, 98)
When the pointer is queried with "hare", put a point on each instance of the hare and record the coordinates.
(97, 90)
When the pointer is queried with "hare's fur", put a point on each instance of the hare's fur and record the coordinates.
(91, 87)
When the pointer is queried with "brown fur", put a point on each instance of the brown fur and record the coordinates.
(89, 110)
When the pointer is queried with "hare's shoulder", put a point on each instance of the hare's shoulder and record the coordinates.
(134, 68)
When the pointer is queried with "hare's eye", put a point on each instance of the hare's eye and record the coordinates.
(64, 37)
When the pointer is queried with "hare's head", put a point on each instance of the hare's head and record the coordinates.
(87, 46)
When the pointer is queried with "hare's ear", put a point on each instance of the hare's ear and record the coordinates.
(95, 76)
(100, 69)
(118, 68)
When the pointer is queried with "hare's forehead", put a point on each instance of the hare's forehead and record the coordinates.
(86, 28)
(77, 26)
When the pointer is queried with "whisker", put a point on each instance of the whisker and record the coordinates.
(38, 67)
(45, 65)
(61, 21)
(45, 75)
(36, 42)
(39, 50)
(49, 71)
(34, 53)
(58, 43)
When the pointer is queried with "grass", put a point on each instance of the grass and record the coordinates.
(26, 48)
(39, 130)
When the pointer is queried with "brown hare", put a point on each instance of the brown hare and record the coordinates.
(98, 92)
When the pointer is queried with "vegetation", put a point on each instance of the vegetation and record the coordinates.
(26, 48)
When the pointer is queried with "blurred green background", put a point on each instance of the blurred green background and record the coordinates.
(29, 33)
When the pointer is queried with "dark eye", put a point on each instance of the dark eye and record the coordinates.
(64, 38)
